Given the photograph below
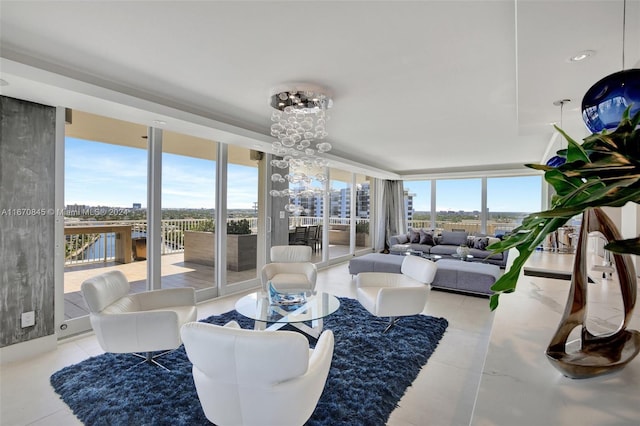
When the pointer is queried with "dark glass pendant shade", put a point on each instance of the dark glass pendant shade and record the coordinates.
(556, 161)
(605, 101)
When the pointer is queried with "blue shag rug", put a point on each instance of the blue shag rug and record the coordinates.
(369, 374)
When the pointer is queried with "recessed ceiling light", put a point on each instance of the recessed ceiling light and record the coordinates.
(581, 56)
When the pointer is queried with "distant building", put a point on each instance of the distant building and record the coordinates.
(137, 206)
(340, 202)
(363, 201)
(408, 204)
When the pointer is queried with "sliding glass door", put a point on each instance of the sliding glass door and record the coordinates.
(188, 212)
(242, 217)
(105, 193)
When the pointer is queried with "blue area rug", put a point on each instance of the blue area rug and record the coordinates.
(369, 374)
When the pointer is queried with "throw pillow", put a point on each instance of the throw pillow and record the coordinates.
(402, 239)
(426, 238)
(493, 240)
(414, 236)
(481, 243)
(471, 240)
(453, 238)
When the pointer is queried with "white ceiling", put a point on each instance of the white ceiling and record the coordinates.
(419, 87)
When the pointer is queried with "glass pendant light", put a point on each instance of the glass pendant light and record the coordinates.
(605, 101)
(558, 160)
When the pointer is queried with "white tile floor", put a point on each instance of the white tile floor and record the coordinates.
(443, 393)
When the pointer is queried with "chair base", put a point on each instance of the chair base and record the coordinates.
(392, 323)
(148, 357)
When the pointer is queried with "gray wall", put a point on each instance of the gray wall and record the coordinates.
(27, 147)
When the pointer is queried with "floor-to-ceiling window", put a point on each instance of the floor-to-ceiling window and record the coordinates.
(107, 219)
(362, 211)
(242, 215)
(339, 229)
(418, 203)
(509, 200)
(105, 194)
(459, 204)
(188, 211)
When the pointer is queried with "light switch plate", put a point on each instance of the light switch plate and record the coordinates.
(28, 319)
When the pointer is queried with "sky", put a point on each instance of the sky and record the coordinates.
(100, 174)
(514, 194)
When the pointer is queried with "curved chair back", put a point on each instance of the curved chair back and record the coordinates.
(249, 377)
(419, 268)
(104, 289)
(291, 254)
(291, 269)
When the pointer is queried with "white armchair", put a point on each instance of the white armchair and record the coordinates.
(291, 269)
(142, 322)
(249, 377)
(386, 294)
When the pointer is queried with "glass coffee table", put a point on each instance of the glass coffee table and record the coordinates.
(316, 306)
(464, 258)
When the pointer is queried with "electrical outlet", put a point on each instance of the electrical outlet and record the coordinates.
(28, 319)
(281, 215)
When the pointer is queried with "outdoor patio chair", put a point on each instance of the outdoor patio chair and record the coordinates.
(314, 239)
(301, 236)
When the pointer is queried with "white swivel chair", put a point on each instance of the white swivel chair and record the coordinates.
(386, 294)
(291, 269)
(137, 323)
(249, 377)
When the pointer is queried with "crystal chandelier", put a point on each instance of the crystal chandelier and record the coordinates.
(299, 124)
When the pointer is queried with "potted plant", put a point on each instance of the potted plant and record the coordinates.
(602, 171)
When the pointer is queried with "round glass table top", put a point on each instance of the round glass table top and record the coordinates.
(315, 306)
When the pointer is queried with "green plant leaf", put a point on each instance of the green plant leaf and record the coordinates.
(630, 246)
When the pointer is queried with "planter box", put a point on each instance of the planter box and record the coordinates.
(241, 250)
(362, 240)
(341, 237)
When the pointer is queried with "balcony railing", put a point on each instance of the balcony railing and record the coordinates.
(99, 242)
(472, 227)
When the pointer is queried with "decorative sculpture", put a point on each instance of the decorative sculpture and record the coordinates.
(597, 354)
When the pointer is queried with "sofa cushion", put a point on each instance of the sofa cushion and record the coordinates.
(443, 249)
(493, 240)
(425, 248)
(414, 236)
(375, 262)
(456, 238)
(402, 239)
(482, 255)
(426, 238)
